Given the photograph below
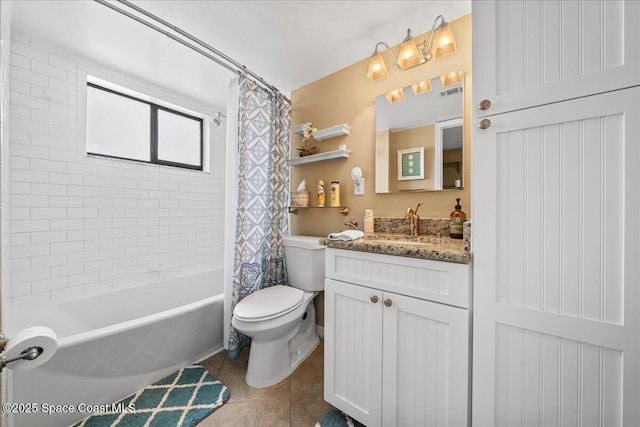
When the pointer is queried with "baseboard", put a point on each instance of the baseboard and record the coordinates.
(320, 331)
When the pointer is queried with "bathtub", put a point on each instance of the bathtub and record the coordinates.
(113, 344)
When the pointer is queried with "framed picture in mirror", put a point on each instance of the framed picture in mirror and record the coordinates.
(411, 164)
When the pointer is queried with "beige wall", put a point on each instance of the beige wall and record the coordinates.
(348, 96)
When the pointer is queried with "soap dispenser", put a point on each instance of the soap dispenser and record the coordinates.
(455, 221)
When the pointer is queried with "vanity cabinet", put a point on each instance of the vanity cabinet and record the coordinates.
(393, 357)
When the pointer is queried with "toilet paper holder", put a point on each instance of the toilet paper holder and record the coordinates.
(30, 353)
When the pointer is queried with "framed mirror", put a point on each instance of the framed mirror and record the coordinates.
(419, 136)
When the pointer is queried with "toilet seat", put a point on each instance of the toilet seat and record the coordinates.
(268, 303)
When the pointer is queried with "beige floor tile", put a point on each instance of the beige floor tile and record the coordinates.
(263, 412)
(214, 363)
(309, 376)
(296, 401)
(307, 409)
(232, 375)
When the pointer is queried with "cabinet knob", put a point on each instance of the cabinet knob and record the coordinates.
(484, 124)
(388, 302)
(485, 104)
(374, 298)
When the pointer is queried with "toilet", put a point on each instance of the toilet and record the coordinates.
(281, 320)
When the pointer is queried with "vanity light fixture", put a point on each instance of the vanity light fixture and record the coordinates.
(421, 87)
(451, 78)
(377, 67)
(441, 43)
(395, 95)
(408, 56)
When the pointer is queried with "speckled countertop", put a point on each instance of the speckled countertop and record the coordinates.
(426, 247)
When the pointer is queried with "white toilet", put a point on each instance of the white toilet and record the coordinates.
(281, 320)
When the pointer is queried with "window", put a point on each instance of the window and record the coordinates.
(125, 127)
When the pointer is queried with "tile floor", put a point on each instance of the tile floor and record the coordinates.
(296, 401)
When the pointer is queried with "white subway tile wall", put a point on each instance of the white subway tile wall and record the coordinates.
(81, 225)
(5, 58)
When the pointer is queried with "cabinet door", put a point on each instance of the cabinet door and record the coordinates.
(528, 53)
(556, 265)
(426, 363)
(353, 350)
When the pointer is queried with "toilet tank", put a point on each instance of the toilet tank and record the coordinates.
(305, 262)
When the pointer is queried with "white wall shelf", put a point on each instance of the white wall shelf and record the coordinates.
(331, 132)
(320, 157)
(322, 134)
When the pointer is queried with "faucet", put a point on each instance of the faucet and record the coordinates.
(352, 223)
(412, 215)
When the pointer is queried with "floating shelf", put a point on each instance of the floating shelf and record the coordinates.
(320, 157)
(343, 210)
(322, 134)
(331, 132)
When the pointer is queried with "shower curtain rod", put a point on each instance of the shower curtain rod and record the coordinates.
(235, 66)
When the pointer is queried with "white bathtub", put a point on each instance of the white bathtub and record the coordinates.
(114, 344)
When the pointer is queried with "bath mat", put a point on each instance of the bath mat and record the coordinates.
(336, 418)
(182, 399)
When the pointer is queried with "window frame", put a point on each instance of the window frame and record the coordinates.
(153, 134)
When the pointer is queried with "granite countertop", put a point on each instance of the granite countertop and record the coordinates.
(426, 247)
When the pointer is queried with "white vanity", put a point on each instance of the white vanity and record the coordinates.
(397, 337)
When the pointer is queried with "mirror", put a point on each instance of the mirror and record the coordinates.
(419, 136)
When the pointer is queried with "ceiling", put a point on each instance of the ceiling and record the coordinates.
(288, 43)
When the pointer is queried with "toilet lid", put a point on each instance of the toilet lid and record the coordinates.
(268, 303)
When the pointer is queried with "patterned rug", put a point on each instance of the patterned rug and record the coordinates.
(182, 399)
(336, 418)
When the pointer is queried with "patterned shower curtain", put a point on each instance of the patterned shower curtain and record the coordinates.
(264, 121)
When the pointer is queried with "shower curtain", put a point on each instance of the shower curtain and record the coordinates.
(264, 120)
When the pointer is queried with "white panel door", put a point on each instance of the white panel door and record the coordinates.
(532, 52)
(557, 264)
(426, 363)
(353, 350)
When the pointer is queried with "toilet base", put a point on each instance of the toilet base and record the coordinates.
(272, 361)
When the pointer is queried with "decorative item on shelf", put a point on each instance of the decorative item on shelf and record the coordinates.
(321, 196)
(441, 43)
(335, 194)
(306, 136)
(300, 197)
(302, 128)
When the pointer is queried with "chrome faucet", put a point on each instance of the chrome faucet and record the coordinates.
(414, 226)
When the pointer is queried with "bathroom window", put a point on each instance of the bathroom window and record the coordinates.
(123, 126)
